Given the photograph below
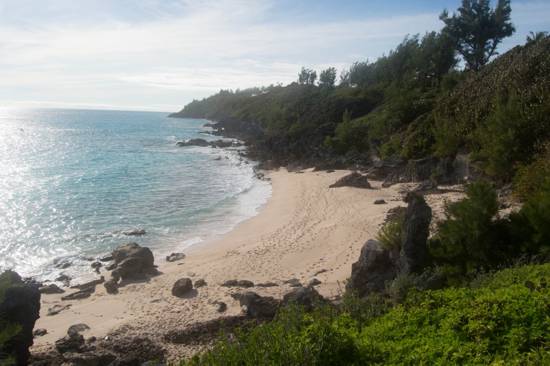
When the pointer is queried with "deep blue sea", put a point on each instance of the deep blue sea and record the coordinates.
(71, 181)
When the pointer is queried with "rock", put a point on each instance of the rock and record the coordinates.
(78, 295)
(379, 202)
(238, 283)
(293, 282)
(193, 142)
(258, 306)
(111, 286)
(416, 228)
(267, 284)
(135, 232)
(78, 328)
(19, 305)
(354, 179)
(220, 306)
(90, 285)
(182, 287)
(131, 350)
(106, 258)
(205, 332)
(72, 342)
(307, 297)
(175, 257)
(133, 261)
(56, 309)
(51, 289)
(372, 270)
(313, 282)
(92, 358)
(64, 278)
(39, 332)
(61, 263)
(200, 283)
(110, 267)
(96, 266)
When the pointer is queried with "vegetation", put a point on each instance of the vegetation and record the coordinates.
(389, 235)
(496, 319)
(7, 330)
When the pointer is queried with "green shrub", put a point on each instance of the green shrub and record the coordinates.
(389, 234)
(466, 240)
(531, 177)
(501, 319)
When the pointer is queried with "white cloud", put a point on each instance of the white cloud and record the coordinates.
(200, 48)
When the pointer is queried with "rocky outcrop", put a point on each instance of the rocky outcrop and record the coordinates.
(182, 287)
(257, 306)
(51, 289)
(307, 297)
(238, 283)
(132, 261)
(19, 307)
(173, 257)
(354, 179)
(135, 232)
(372, 270)
(205, 143)
(416, 228)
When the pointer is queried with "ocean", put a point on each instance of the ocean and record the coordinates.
(72, 181)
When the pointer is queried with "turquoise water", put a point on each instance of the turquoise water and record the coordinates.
(72, 180)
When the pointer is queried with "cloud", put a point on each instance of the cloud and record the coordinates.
(169, 52)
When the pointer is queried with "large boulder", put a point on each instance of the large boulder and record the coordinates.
(258, 306)
(307, 297)
(414, 254)
(132, 261)
(19, 307)
(374, 268)
(193, 142)
(354, 179)
(182, 287)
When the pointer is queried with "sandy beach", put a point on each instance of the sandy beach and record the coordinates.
(305, 230)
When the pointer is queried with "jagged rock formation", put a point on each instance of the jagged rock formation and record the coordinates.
(19, 308)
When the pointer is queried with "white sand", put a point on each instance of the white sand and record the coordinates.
(304, 228)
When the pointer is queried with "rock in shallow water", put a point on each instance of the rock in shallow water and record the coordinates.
(175, 257)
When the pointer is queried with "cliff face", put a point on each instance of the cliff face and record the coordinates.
(19, 310)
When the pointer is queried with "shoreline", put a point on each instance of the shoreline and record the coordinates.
(305, 230)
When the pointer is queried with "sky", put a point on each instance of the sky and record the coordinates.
(161, 54)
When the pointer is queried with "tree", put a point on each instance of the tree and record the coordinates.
(307, 76)
(477, 29)
(536, 36)
(327, 78)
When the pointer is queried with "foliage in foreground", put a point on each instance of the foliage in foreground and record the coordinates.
(498, 319)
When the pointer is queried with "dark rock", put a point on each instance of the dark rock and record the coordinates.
(96, 266)
(133, 262)
(19, 305)
(267, 284)
(131, 350)
(193, 142)
(78, 328)
(379, 202)
(64, 278)
(56, 309)
(313, 282)
(220, 306)
(135, 232)
(51, 289)
(175, 257)
(39, 332)
(110, 267)
(111, 286)
(258, 306)
(354, 179)
(200, 283)
(238, 283)
(107, 258)
(61, 263)
(91, 358)
(416, 228)
(293, 282)
(307, 297)
(90, 285)
(372, 270)
(78, 295)
(72, 342)
(182, 287)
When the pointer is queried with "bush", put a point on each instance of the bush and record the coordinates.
(467, 240)
(531, 177)
(390, 235)
(502, 318)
